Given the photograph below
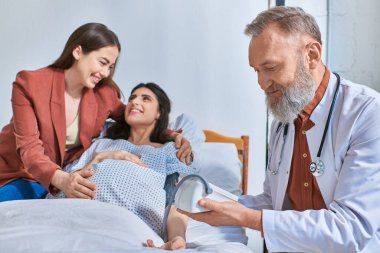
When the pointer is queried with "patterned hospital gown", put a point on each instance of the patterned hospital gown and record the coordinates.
(123, 183)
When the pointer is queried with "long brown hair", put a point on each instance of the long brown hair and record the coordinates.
(121, 130)
(91, 37)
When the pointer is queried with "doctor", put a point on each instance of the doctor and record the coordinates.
(322, 188)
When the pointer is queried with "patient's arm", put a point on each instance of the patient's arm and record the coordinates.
(176, 227)
(116, 155)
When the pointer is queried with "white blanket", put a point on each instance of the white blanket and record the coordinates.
(77, 225)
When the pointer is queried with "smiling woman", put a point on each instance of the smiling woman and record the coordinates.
(135, 160)
(39, 141)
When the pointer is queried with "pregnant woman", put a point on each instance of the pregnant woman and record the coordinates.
(135, 159)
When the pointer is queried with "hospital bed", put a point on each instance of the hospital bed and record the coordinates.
(77, 225)
(242, 147)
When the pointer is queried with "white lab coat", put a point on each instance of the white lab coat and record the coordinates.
(350, 185)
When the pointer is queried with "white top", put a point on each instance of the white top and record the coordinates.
(72, 134)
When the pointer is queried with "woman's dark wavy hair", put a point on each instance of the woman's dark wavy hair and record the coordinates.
(121, 130)
(91, 37)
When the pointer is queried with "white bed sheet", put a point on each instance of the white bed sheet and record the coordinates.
(77, 225)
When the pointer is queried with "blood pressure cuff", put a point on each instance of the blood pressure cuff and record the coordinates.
(170, 183)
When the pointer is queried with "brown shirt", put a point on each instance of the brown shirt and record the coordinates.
(303, 191)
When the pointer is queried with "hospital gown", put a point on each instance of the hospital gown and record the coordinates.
(124, 183)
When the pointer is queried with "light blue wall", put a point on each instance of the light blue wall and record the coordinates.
(354, 40)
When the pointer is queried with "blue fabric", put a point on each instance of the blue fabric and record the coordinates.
(22, 189)
(170, 183)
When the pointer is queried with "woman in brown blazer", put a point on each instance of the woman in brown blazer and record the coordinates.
(57, 111)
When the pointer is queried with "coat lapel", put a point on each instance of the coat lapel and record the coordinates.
(88, 113)
(314, 137)
(57, 105)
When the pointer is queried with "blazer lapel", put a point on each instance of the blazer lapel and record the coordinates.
(88, 113)
(57, 105)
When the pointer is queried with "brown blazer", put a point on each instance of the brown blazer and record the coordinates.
(32, 145)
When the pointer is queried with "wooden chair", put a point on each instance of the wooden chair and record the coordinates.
(242, 145)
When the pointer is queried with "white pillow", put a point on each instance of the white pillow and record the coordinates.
(219, 164)
(190, 129)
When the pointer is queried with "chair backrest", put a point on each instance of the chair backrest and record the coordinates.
(242, 146)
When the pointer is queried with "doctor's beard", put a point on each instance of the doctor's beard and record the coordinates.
(294, 98)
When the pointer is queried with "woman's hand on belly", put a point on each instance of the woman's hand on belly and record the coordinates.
(75, 185)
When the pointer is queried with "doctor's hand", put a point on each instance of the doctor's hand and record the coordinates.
(226, 214)
(75, 185)
(174, 244)
(183, 146)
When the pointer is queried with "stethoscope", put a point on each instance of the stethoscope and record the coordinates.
(317, 167)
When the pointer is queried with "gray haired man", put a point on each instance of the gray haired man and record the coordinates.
(322, 186)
